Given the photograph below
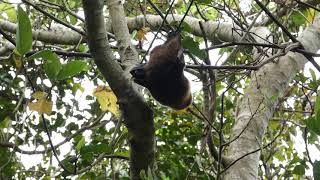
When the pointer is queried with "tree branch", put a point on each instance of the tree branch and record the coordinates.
(138, 116)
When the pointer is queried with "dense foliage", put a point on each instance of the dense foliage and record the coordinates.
(46, 89)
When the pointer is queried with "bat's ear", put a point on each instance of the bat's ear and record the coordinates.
(174, 33)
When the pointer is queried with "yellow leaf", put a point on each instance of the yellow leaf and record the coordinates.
(311, 15)
(39, 95)
(141, 34)
(17, 60)
(41, 106)
(107, 100)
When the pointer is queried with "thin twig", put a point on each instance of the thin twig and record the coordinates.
(54, 18)
(159, 29)
(285, 30)
(252, 152)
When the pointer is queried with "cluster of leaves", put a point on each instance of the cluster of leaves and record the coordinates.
(179, 135)
(24, 100)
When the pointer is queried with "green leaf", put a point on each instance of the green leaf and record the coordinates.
(317, 108)
(44, 54)
(313, 75)
(80, 144)
(316, 170)
(299, 170)
(193, 47)
(24, 32)
(71, 69)
(313, 125)
(298, 18)
(10, 11)
(52, 65)
(95, 148)
(72, 127)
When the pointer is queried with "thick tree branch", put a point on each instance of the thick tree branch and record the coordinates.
(138, 116)
(56, 35)
(267, 86)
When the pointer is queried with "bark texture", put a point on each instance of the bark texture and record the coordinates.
(138, 116)
(257, 106)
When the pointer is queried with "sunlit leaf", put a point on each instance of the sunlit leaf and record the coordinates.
(107, 100)
(9, 10)
(141, 34)
(41, 106)
(39, 95)
(311, 13)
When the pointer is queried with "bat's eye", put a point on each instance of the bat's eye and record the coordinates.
(137, 72)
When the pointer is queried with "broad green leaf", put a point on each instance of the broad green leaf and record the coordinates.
(298, 18)
(71, 69)
(44, 54)
(95, 148)
(299, 170)
(316, 170)
(193, 47)
(313, 125)
(24, 32)
(52, 65)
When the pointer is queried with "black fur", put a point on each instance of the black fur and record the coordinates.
(163, 74)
